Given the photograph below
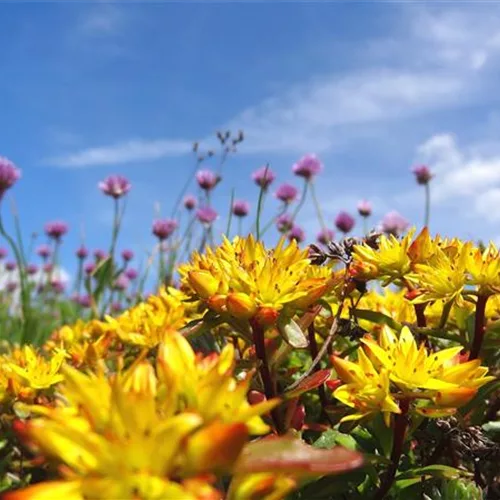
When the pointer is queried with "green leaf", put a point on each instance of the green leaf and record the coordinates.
(293, 334)
(378, 318)
(480, 397)
(440, 471)
(331, 438)
(103, 274)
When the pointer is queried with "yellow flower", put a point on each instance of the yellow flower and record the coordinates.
(484, 269)
(390, 262)
(366, 389)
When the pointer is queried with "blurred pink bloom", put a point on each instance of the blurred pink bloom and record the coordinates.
(308, 166)
(11, 286)
(99, 254)
(394, 223)
(163, 228)
(286, 193)
(85, 301)
(121, 283)
(206, 215)
(3, 253)
(284, 223)
(241, 208)
(190, 202)
(115, 186)
(297, 234)
(10, 265)
(131, 273)
(31, 269)
(116, 307)
(44, 251)
(422, 174)
(325, 236)
(56, 229)
(89, 268)
(364, 208)
(9, 174)
(82, 252)
(344, 222)
(263, 177)
(57, 285)
(48, 268)
(127, 255)
(207, 179)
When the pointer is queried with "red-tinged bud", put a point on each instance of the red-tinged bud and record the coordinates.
(240, 305)
(333, 384)
(298, 418)
(217, 303)
(255, 397)
(412, 294)
(267, 316)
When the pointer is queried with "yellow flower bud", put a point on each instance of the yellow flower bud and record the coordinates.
(204, 284)
(240, 305)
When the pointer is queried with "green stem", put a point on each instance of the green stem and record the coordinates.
(427, 204)
(479, 327)
(184, 189)
(301, 202)
(116, 228)
(260, 204)
(230, 216)
(317, 206)
(274, 219)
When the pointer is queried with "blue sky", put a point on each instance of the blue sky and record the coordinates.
(90, 89)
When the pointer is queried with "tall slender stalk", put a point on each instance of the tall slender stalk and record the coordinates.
(260, 204)
(116, 227)
(317, 206)
(427, 204)
(301, 201)
(313, 347)
(479, 326)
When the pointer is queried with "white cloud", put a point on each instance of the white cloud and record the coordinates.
(103, 19)
(127, 152)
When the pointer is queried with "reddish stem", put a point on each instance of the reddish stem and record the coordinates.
(479, 326)
(399, 433)
(313, 347)
(419, 312)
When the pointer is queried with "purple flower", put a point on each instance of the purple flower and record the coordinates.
(296, 234)
(82, 252)
(99, 255)
(189, 202)
(57, 285)
(364, 208)
(116, 307)
(31, 269)
(394, 223)
(9, 174)
(11, 286)
(44, 251)
(325, 236)
(263, 177)
(84, 301)
(286, 193)
(422, 174)
(127, 255)
(284, 223)
(56, 229)
(3, 253)
(131, 273)
(48, 268)
(115, 186)
(308, 166)
(344, 222)
(206, 179)
(241, 208)
(206, 215)
(89, 268)
(10, 265)
(163, 228)
(121, 283)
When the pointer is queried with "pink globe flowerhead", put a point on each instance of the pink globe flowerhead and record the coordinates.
(11, 286)
(286, 193)
(206, 215)
(121, 283)
(99, 255)
(57, 285)
(31, 269)
(44, 251)
(207, 179)
(85, 301)
(3, 253)
(89, 268)
(263, 177)
(308, 166)
(116, 307)
(10, 265)
(284, 223)
(48, 268)
(163, 228)
(296, 234)
(9, 175)
(394, 223)
(241, 208)
(364, 208)
(325, 236)
(82, 252)
(131, 273)
(127, 255)
(423, 175)
(115, 186)
(344, 222)
(189, 202)
(56, 229)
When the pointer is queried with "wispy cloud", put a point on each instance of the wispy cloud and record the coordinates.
(126, 152)
(102, 19)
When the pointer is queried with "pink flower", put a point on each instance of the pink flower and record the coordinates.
(263, 177)
(325, 236)
(56, 230)
(31, 269)
(394, 223)
(121, 283)
(284, 223)
(9, 175)
(11, 286)
(3, 253)
(84, 301)
(206, 215)
(82, 252)
(190, 202)
(297, 234)
(89, 268)
(241, 208)
(116, 307)
(308, 166)
(344, 222)
(57, 285)
(286, 193)
(163, 228)
(364, 208)
(100, 255)
(207, 179)
(127, 255)
(131, 273)
(422, 174)
(48, 268)
(10, 265)
(44, 251)
(115, 186)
